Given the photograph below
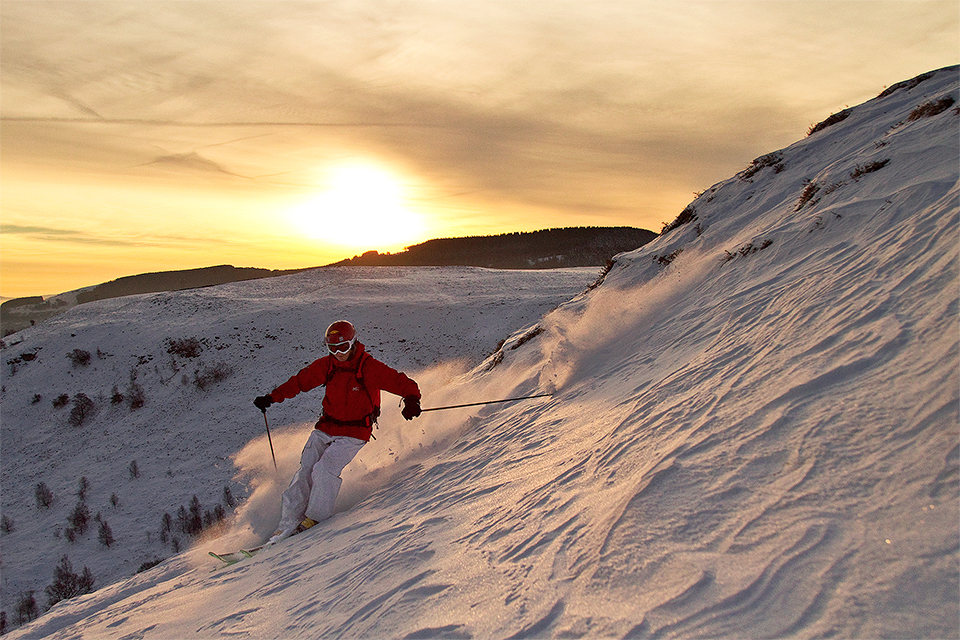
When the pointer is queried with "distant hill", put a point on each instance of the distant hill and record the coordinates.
(174, 281)
(19, 313)
(546, 249)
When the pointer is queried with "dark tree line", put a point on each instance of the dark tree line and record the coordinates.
(546, 249)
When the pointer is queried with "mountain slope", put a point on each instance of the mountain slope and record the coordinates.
(753, 433)
(174, 347)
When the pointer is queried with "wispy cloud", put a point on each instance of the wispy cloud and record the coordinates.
(75, 236)
(609, 111)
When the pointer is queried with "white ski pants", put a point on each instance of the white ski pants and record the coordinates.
(314, 488)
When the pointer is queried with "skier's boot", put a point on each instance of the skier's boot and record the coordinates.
(279, 536)
(303, 526)
(282, 535)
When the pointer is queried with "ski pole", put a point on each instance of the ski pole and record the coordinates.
(269, 439)
(474, 404)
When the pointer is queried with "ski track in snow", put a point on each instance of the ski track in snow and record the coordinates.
(741, 443)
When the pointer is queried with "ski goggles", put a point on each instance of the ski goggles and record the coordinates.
(340, 347)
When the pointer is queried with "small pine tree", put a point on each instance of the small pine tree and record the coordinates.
(183, 519)
(106, 535)
(136, 398)
(67, 584)
(80, 518)
(83, 485)
(228, 498)
(27, 608)
(196, 517)
(44, 496)
(6, 525)
(134, 470)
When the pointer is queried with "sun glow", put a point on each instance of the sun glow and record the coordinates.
(362, 206)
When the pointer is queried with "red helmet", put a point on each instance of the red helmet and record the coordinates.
(340, 337)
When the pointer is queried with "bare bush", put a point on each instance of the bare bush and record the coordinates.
(807, 195)
(211, 375)
(930, 109)
(135, 395)
(687, 215)
(667, 259)
(184, 347)
(83, 409)
(603, 274)
(528, 336)
(862, 170)
(774, 160)
(79, 357)
(830, 121)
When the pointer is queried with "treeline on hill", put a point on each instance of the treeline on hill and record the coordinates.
(546, 249)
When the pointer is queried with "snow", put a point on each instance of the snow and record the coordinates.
(753, 432)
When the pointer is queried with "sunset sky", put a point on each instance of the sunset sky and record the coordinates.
(156, 135)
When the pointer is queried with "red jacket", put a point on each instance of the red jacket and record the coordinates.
(352, 399)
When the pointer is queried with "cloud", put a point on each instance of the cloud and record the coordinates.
(506, 114)
(49, 234)
(187, 162)
(74, 236)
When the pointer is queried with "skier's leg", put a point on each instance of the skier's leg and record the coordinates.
(297, 495)
(326, 476)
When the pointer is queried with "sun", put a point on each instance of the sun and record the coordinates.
(361, 206)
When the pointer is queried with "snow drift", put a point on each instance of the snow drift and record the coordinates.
(753, 433)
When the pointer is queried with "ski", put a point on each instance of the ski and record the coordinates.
(229, 558)
(237, 556)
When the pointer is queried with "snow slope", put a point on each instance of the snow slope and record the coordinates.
(183, 436)
(754, 432)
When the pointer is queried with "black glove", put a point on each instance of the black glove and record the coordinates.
(411, 408)
(262, 402)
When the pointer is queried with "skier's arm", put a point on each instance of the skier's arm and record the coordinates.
(393, 381)
(398, 383)
(310, 377)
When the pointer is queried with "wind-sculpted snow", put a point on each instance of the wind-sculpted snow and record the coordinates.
(753, 433)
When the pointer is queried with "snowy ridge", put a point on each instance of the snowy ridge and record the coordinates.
(753, 433)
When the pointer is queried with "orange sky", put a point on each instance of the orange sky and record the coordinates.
(150, 135)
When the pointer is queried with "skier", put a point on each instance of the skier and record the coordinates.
(351, 404)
